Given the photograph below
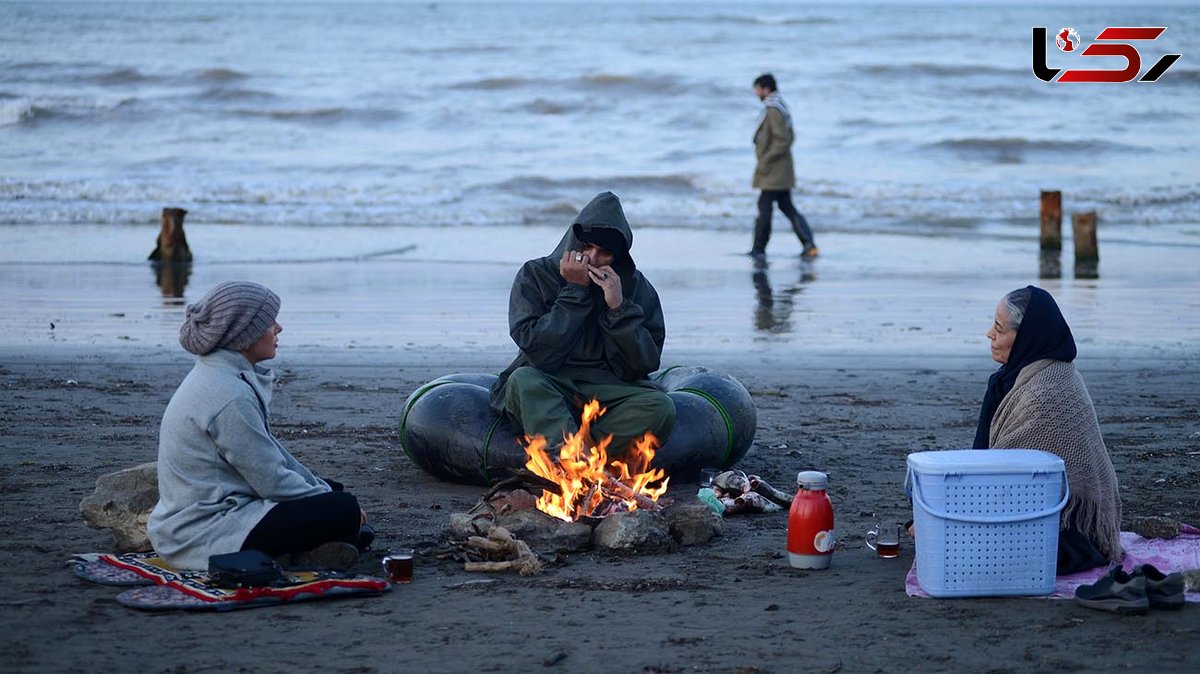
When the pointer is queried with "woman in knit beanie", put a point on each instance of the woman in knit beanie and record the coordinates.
(232, 316)
(225, 482)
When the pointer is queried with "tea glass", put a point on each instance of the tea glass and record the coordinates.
(884, 539)
(398, 565)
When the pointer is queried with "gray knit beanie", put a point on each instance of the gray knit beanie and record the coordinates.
(233, 315)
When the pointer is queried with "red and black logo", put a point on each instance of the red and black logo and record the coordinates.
(1112, 41)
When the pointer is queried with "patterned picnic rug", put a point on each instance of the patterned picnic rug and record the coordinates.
(1167, 555)
(160, 587)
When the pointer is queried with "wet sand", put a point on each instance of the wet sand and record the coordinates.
(428, 289)
(867, 359)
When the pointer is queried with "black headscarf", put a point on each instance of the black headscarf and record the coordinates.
(1043, 333)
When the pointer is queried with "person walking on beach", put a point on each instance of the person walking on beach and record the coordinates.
(225, 482)
(774, 173)
(589, 326)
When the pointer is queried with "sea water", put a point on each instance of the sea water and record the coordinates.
(909, 118)
(386, 166)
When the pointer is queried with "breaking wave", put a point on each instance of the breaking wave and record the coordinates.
(21, 109)
(14, 109)
(672, 200)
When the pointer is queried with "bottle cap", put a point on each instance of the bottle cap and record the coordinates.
(812, 480)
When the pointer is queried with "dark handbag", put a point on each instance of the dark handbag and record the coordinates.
(247, 568)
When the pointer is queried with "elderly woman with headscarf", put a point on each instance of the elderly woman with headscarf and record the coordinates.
(225, 482)
(1037, 400)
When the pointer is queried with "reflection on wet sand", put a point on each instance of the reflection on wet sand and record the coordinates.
(1050, 264)
(172, 279)
(1087, 269)
(773, 311)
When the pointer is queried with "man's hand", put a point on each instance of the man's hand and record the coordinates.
(574, 267)
(610, 282)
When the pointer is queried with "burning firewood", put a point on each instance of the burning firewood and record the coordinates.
(625, 493)
(586, 483)
(532, 481)
(521, 479)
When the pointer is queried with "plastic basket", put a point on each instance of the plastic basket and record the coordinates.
(986, 521)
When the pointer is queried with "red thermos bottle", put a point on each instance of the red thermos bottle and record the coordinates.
(810, 523)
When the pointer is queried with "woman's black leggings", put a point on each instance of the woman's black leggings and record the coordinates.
(1077, 552)
(303, 524)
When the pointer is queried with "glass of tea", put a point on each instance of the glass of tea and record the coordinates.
(398, 565)
(884, 539)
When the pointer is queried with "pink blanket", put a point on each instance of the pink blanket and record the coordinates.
(1167, 555)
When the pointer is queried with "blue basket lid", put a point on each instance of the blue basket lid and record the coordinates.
(985, 461)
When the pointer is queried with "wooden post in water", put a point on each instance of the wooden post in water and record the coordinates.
(1083, 225)
(1051, 220)
(172, 243)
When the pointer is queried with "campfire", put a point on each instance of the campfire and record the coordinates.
(589, 484)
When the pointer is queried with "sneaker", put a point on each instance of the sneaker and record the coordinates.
(1117, 591)
(335, 555)
(811, 252)
(1163, 591)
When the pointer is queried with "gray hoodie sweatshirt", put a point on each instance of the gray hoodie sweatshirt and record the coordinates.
(220, 470)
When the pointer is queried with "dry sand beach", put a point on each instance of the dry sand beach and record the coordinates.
(853, 361)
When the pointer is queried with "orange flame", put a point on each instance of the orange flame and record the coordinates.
(582, 471)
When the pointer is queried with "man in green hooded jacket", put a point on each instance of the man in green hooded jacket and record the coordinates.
(588, 325)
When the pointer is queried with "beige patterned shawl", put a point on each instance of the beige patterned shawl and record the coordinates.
(1049, 409)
